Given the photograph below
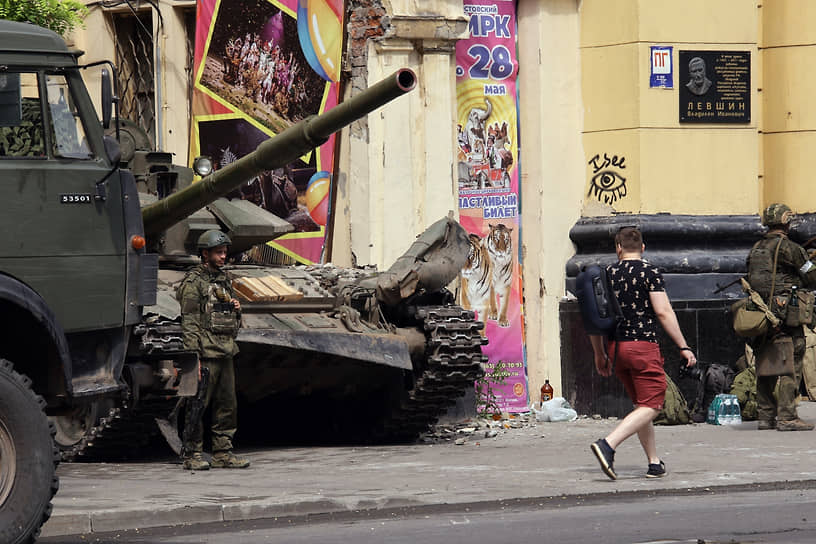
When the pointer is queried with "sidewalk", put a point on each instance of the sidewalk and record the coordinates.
(549, 459)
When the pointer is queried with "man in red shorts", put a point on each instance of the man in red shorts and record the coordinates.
(641, 293)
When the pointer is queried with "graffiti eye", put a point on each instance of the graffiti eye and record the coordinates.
(607, 186)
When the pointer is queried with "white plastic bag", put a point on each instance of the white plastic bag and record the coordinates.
(540, 414)
(556, 409)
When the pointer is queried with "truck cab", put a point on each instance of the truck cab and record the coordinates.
(66, 258)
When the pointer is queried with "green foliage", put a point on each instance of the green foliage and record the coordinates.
(61, 16)
(486, 402)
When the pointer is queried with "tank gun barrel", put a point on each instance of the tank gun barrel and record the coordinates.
(275, 152)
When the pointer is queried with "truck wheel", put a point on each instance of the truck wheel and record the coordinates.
(28, 459)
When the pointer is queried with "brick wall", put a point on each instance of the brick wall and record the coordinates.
(366, 19)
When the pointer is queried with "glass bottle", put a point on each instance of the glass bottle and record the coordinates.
(546, 391)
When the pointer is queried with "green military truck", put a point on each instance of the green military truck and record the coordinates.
(90, 335)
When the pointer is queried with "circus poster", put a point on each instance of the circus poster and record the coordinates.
(488, 185)
(261, 66)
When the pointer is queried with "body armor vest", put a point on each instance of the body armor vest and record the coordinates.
(220, 316)
(761, 270)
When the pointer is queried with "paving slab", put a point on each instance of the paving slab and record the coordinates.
(535, 461)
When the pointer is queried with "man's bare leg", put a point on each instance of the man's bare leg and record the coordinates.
(637, 421)
(646, 435)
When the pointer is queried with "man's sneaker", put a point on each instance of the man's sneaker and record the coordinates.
(195, 461)
(606, 457)
(766, 424)
(226, 459)
(794, 425)
(656, 470)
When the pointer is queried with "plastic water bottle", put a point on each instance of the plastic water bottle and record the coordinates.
(731, 409)
(727, 411)
(722, 410)
(712, 411)
(736, 414)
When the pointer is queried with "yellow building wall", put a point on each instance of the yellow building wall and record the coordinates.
(789, 109)
(672, 167)
(552, 165)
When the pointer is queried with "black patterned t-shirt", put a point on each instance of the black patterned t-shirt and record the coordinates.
(632, 280)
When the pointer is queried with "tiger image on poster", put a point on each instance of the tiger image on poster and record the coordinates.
(499, 242)
(476, 291)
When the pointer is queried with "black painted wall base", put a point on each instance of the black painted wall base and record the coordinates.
(706, 324)
(699, 256)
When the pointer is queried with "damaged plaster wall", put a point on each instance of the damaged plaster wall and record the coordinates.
(398, 164)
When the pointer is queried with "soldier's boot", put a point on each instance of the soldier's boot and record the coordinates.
(794, 425)
(227, 459)
(766, 424)
(195, 461)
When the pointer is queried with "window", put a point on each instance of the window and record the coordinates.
(21, 124)
(69, 134)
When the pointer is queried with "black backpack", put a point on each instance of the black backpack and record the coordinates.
(600, 310)
(715, 379)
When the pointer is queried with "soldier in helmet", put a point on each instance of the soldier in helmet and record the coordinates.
(793, 270)
(210, 318)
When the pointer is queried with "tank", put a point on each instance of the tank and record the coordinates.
(361, 355)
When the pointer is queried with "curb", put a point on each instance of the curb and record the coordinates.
(102, 521)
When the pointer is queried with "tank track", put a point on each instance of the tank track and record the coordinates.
(124, 432)
(130, 426)
(453, 362)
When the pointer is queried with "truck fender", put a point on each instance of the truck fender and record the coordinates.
(21, 295)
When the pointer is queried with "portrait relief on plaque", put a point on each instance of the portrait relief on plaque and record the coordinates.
(716, 87)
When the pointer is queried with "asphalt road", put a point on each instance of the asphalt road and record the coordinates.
(738, 517)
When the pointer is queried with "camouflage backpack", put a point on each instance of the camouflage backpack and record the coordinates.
(744, 388)
(675, 409)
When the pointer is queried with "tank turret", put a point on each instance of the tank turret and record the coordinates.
(273, 153)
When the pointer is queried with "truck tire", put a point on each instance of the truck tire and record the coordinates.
(28, 459)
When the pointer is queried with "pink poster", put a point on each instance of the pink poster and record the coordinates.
(488, 181)
(262, 66)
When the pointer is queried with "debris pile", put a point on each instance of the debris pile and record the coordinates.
(495, 427)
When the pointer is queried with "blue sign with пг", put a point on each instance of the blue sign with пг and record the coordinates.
(661, 61)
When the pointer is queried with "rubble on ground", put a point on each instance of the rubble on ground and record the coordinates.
(494, 427)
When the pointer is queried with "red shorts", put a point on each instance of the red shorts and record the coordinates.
(639, 365)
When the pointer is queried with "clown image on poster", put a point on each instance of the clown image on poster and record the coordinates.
(254, 63)
(484, 154)
(488, 184)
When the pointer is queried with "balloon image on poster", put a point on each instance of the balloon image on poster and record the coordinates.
(321, 35)
(317, 197)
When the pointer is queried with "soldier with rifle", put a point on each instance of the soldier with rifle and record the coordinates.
(210, 318)
(777, 268)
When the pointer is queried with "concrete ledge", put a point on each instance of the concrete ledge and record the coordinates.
(117, 520)
(67, 524)
(376, 481)
(109, 521)
(267, 509)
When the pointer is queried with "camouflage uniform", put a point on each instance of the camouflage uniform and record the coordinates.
(212, 333)
(793, 268)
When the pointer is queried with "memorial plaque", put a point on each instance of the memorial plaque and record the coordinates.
(715, 86)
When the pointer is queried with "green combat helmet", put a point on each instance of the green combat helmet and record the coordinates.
(213, 238)
(777, 215)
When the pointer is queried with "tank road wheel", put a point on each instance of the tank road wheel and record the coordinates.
(28, 459)
(71, 428)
